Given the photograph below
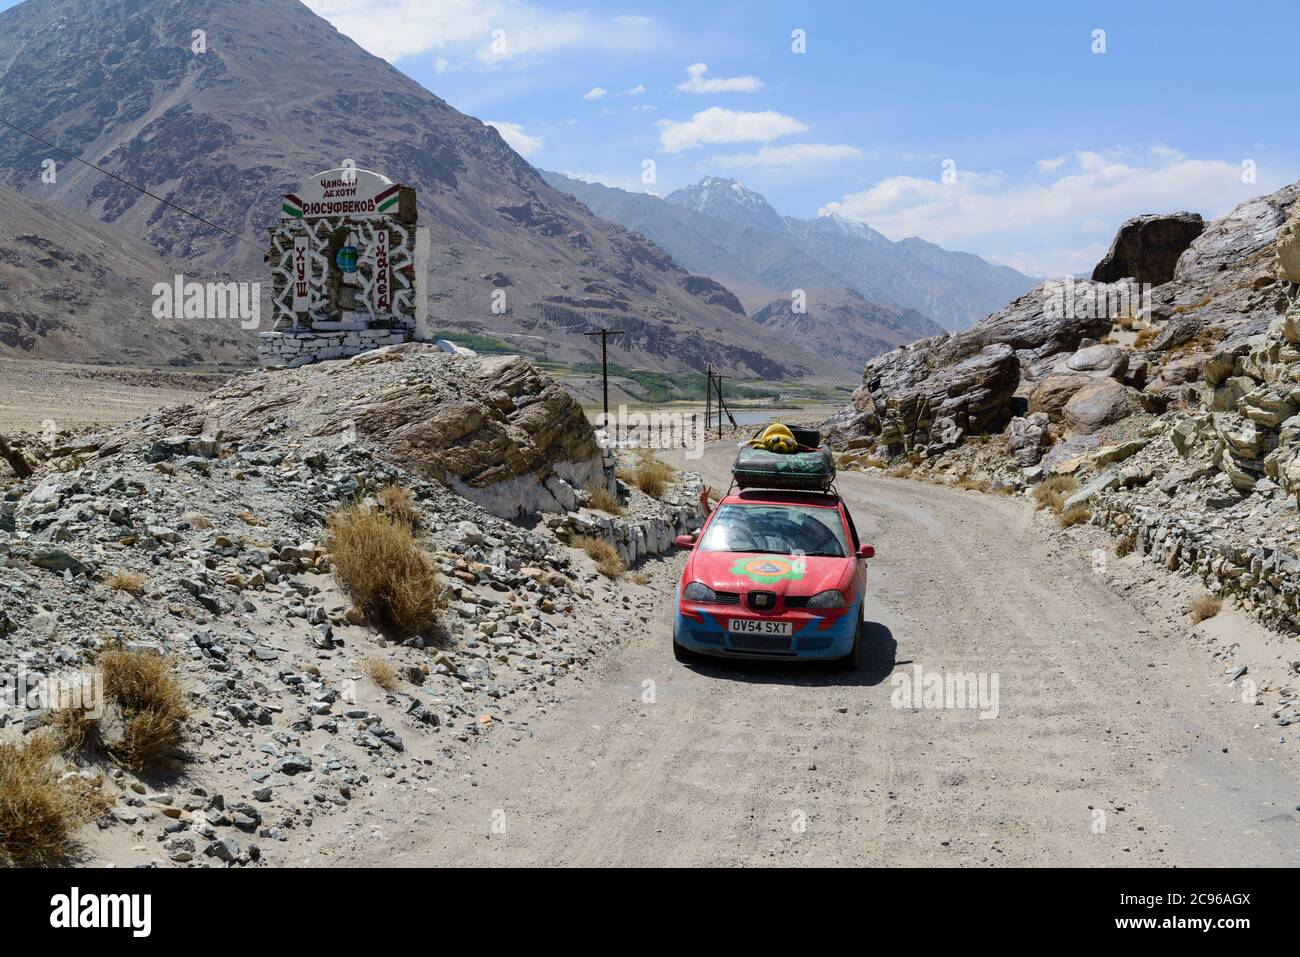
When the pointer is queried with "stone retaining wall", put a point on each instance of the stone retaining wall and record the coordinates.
(635, 538)
(1264, 580)
(290, 348)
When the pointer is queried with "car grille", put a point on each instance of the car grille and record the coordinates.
(728, 597)
(776, 643)
(796, 601)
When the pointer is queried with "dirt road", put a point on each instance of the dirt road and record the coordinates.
(1116, 740)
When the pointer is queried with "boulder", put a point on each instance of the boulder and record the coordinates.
(1100, 360)
(1098, 404)
(1027, 438)
(1147, 248)
(1051, 395)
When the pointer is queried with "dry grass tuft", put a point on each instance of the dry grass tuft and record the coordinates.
(602, 501)
(144, 689)
(650, 475)
(1144, 338)
(381, 673)
(74, 729)
(38, 811)
(1075, 515)
(606, 556)
(378, 563)
(1125, 545)
(1051, 493)
(400, 504)
(130, 582)
(977, 485)
(248, 518)
(1205, 606)
(903, 471)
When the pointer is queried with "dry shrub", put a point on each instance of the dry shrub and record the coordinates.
(1144, 338)
(602, 501)
(38, 811)
(378, 563)
(1205, 606)
(608, 561)
(196, 520)
(381, 673)
(1075, 515)
(74, 729)
(248, 518)
(130, 582)
(977, 485)
(1050, 493)
(903, 471)
(650, 475)
(1125, 545)
(149, 699)
(400, 504)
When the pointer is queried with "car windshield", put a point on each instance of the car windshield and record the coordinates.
(776, 530)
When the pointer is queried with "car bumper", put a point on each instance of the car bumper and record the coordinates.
(814, 639)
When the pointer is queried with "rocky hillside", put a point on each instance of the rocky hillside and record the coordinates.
(77, 290)
(1175, 423)
(306, 718)
(278, 95)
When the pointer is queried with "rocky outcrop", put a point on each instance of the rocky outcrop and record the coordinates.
(906, 391)
(496, 430)
(918, 404)
(1147, 248)
(1288, 248)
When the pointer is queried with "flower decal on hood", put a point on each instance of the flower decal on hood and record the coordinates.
(767, 569)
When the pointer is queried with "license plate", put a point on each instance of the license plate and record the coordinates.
(759, 626)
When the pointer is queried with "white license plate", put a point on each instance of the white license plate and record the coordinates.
(759, 626)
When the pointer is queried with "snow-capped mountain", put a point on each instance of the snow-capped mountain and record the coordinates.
(731, 202)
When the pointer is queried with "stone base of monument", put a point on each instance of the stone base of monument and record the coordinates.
(292, 348)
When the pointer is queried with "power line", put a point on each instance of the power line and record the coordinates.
(141, 189)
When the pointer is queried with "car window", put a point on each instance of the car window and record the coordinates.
(853, 530)
(776, 530)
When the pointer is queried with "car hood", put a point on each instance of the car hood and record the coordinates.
(783, 574)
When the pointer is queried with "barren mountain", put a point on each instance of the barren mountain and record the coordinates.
(279, 94)
(77, 290)
(955, 288)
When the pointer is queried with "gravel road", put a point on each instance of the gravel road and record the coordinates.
(1115, 742)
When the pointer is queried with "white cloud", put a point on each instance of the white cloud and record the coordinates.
(595, 93)
(697, 82)
(716, 125)
(1052, 165)
(796, 154)
(1055, 227)
(637, 90)
(521, 142)
(644, 108)
(489, 31)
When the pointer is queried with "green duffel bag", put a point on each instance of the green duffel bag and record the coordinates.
(811, 471)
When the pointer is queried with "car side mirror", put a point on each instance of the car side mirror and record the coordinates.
(866, 551)
(684, 541)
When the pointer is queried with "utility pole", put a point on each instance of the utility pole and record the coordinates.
(708, 398)
(722, 405)
(604, 369)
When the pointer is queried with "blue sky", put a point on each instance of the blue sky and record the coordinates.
(991, 127)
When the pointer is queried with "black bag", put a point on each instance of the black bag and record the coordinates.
(811, 471)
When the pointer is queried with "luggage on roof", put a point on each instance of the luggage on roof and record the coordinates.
(808, 467)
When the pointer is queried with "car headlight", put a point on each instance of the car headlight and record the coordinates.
(698, 591)
(826, 599)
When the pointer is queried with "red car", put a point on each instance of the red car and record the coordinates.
(773, 575)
